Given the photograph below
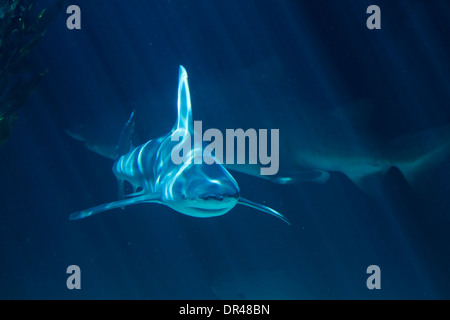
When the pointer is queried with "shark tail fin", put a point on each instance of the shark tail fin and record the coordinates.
(108, 149)
(125, 144)
(263, 208)
(421, 154)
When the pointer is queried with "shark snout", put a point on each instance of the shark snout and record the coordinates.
(209, 199)
(222, 191)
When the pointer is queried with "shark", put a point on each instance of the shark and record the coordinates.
(315, 142)
(319, 140)
(310, 155)
(198, 190)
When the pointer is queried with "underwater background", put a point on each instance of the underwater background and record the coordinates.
(251, 64)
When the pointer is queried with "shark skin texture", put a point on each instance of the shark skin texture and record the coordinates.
(198, 190)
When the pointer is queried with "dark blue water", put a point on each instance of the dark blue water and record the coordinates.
(251, 64)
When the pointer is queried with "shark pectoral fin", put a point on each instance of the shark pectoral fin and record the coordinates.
(321, 176)
(116, 204)
(284, 176)
(262, 208)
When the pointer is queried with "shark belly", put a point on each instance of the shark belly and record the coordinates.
(358, 164)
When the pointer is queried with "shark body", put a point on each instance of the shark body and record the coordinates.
(317, 140)
(313, 143)
(312, 155)
(198, 190)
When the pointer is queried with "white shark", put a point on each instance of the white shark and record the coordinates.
(198, 190)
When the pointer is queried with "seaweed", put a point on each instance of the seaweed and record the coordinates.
(21, 27)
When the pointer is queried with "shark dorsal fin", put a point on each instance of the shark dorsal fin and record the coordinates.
(184, 117)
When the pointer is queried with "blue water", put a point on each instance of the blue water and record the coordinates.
(126, 57)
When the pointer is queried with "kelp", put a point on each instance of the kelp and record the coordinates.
(21, 27)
